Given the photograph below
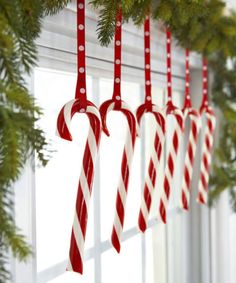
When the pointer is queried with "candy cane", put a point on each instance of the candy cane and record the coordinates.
(149, 107)
(208, 135)
(118, 105)
(81, 105)
(179, 128)
(195, 124)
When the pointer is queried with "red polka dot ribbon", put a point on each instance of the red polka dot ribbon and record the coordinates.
(117, 59)
(204, 83)
(147, 62)
(187, 101)
(80, 92)
(168, 64)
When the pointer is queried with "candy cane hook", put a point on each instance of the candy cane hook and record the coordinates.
(179, 128)
(119, 105)
(81, 105)
(149, 107)
(195, 124)
(208, 135)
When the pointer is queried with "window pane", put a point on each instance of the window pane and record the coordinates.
(232, 237)
(131, 95)
(156, 254)
(177, 249)
(56, 185)
(178, 98)
(72, 277)
(125, 267)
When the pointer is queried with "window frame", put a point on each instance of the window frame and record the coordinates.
(63, 57)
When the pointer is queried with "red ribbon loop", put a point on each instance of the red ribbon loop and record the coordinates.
(168, 63)
(204, 83)
(117, 59)
(147, 61)
(187, 102)
(80, 92)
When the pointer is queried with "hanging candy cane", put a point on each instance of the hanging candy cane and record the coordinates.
(195, 124)
(118, 105)
(208, 135)
(149, 107)
(179, 128)
(81, 105)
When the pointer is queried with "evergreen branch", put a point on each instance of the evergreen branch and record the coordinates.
(20, 23)
(107, 17)
(232, 194)
(11, 237)
(139, 10)
(51, 7)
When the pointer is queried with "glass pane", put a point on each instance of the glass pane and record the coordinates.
(110, 156)
(72, 277)
(178, 98)
(56, 185)
(125, 267)
(232, 244)
(177, 246)
(158, 96)
(156, 257)
(131, 94)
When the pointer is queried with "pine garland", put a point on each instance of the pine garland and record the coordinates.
(200, 25)
(224, 96)
(20, 25)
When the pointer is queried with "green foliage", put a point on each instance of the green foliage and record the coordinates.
(224, 95)
(20, 25)
(106, 25)
(51, 7)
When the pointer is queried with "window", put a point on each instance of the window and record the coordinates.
(56, 188)
(160, 255)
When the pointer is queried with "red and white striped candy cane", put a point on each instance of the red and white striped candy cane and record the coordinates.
(149, 107)
(179, 128)
(118, 105)
(195, 124)
(81, 105)
(208, 135)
